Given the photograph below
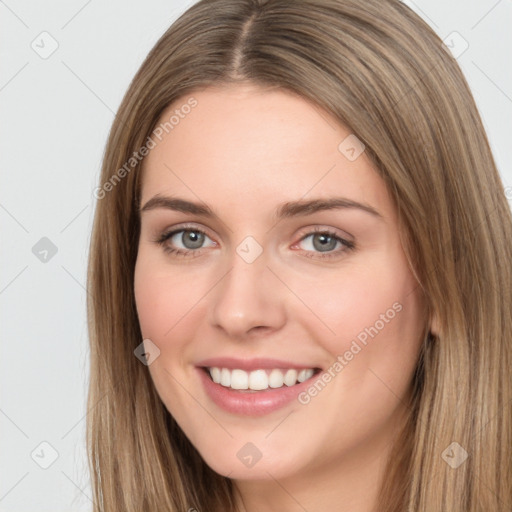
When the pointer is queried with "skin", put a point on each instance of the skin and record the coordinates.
(245, 150)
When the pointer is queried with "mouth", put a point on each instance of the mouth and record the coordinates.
(255, 386)
(259, 380)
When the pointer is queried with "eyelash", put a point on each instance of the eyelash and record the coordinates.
(162, 239)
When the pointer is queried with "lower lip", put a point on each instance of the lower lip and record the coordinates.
(247, 403)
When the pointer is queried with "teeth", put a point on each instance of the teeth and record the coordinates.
(258, 380)
(305, 375)
(239, 379)
(290, 377)
(276, 379)
(215, 373)
(225, 377)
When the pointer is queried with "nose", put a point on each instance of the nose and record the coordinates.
(248, 299)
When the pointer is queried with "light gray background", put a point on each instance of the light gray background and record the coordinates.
(56, 113)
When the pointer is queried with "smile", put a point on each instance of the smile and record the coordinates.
(253, 387)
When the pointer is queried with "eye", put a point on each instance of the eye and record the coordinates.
(322, 242)
(188, 242)
(184, 242)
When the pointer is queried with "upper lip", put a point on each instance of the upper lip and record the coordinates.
(258, 363)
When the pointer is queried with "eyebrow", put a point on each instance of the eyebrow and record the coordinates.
(285, 210)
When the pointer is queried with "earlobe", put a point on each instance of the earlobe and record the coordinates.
(434, 325)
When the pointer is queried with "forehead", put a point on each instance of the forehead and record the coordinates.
(253, 147)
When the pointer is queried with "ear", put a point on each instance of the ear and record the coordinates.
(434, 325)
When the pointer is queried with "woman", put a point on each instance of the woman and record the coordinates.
(300, 272)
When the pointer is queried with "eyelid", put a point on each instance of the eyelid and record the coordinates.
(319, 228)
(167, 233)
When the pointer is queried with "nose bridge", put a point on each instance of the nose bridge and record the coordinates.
(248, 295)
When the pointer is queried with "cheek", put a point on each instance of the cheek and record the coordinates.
(359, 298)
(379, 347)
(165, 307)
(163, 297)
(372, 316)
(153, 300)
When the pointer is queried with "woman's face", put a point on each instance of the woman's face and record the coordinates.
(270, 286)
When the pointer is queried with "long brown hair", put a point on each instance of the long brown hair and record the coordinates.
(382, 72)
